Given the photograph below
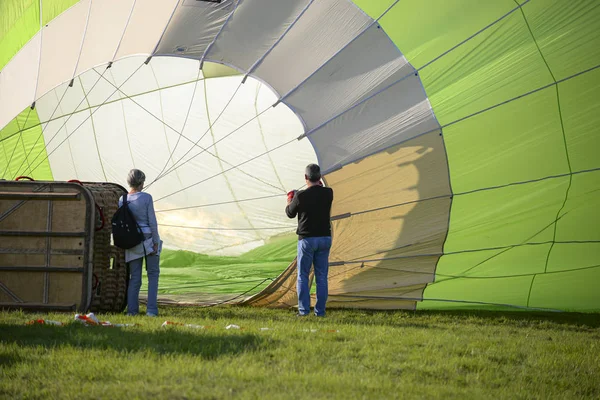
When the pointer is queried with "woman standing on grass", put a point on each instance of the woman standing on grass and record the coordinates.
(141, 206)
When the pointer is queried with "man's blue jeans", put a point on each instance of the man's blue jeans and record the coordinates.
(135, 283)
(313, 250)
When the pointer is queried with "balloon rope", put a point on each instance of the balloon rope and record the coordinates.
(67, 120)
(191, 141)
(170, 159)
(20, 138)
(227, 170)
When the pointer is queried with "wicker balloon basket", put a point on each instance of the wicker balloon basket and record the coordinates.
(110, 277)
(55, 247)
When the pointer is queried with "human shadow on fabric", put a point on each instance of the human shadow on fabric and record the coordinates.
(203, 344)
(401, 227)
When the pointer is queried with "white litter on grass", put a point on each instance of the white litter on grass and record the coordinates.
(166, 323)
(265, 329)
(87, 319)
(232, 327)
(194, 326)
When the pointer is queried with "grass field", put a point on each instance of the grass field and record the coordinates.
(348, 355)
(184, 272)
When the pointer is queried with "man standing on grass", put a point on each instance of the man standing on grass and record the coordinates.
(313, 207)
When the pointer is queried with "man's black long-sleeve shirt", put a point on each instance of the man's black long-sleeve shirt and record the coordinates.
(313, 207)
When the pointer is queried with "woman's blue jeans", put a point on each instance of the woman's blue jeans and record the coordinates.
(135, 283)
(313, 250)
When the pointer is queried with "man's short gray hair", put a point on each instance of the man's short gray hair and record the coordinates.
(313, 172)
(136, 178)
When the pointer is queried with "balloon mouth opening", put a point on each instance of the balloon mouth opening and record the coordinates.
(219, 158)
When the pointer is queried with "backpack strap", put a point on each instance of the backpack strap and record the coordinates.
(125, 204)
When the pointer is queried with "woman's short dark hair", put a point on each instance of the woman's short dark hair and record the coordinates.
(313, 172)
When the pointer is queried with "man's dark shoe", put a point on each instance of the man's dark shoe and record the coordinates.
(301, 315)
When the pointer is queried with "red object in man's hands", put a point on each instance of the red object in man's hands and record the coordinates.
(291, 195)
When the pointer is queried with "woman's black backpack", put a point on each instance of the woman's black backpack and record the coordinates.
(125, 229)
